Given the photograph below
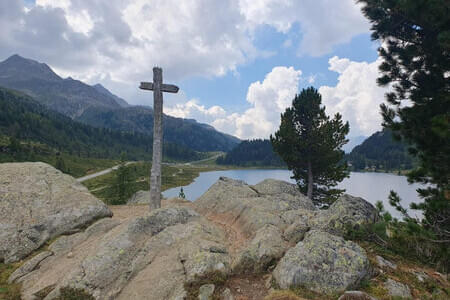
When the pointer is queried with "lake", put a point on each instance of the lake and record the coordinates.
(370, 186)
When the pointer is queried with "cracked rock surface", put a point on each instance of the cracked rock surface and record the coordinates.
(166, 248)
(233, 229)
(38, 203)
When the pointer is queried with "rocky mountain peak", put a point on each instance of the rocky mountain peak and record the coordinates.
(16, 66)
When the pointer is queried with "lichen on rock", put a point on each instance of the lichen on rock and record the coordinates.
(323, 262)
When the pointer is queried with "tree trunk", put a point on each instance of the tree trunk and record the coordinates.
(310, 181)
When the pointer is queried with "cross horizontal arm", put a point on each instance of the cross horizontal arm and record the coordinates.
(146, 86)
(168, 88)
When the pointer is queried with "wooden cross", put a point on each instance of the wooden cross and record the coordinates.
(155, 176)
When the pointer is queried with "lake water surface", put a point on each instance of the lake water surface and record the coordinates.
(370, 186)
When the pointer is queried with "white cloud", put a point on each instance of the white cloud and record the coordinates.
(324, 23)
(193, 110)
(123, 39)
(268, 99)
(356, 96)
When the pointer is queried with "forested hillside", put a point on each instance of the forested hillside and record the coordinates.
(252, 153)
(380, 152)
(96, 106)
(32, 127)
(189, 133)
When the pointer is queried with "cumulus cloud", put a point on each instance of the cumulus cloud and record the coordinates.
(122, 40)
(324, 23)
(267, 100)
(118, 41)
(193, 110)
(356, 95)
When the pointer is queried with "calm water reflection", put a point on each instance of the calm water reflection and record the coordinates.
(370, 186)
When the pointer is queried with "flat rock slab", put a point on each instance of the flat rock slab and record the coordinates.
(324, 263)
(145, 257)
(38, 203)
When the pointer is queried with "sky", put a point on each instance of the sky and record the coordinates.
(238, 63)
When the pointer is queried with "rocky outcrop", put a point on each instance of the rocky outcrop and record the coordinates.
(345, 211)
(166, 248)
(38, 203)
(264, 250)
(233, 229)
(251, 207)
(323, 262)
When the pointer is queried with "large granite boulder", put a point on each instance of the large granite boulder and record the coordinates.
(324, 263)
(266, 248)
(251, 207)
(38, 203)
(148, 257)
(346, 211)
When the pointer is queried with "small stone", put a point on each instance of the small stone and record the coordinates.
(383, 263)
(70, 255)
(226, 295)
(397, 289)
(421, 276)
(206, 291)
(356, 295)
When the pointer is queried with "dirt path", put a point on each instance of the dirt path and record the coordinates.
(103, 172)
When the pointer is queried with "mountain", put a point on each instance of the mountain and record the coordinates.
(23, 119)
(380, 152)
(252, 153)
(185, 132)
(96, 106)
(100, 88)
(68, 96)
(353, 142)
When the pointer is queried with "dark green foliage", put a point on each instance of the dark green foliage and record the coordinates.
(123, 182)
(23, 119)
(69, 293)
(188, 133)
(310, 143)
(382, 152)
(252, 153)
(406, 238)
(61, 164)
(416, 62)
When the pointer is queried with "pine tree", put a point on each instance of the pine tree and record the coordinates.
(310, 143)
(416, 64)
(60, 163)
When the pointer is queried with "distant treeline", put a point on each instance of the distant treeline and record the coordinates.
(380, 152)
(249, 153)
(26, 121)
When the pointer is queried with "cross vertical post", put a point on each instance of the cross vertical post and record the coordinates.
(158, 88)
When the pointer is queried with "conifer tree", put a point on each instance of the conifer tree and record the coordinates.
(311, 145)
(415, 36)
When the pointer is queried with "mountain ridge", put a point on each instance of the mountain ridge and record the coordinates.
(97, 106)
